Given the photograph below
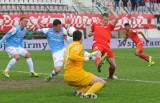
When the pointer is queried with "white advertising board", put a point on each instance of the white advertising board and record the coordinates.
(87, 44)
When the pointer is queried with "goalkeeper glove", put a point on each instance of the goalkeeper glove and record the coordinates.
(93, 54)
(86, 58)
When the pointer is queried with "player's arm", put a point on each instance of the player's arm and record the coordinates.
(124, 40)
(65, 36)
(38, 29)
(114, 21)
(9, 34)
(90, 34)
(65, 33)
(75, 54)
(92, 30)
(143, 36)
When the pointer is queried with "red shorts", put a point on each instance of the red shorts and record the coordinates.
(103, 49)
(139, 46)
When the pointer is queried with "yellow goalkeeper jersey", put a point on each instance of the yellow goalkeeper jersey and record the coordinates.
(73, 59)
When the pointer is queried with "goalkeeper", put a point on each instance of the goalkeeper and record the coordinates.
(87, 83)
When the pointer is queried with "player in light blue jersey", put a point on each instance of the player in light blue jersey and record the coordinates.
(14, 47)
(55, 37)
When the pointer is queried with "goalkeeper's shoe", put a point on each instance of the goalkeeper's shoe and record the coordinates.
(88, 96)
(34, 74)
(151, 62)
(6, 74)
(77, 93)
(47, 79)
(103, 60)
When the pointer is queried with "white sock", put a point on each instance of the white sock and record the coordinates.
(93, 58)
(30, 64)
(53, 74)
(10, 64)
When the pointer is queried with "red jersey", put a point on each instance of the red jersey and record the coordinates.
(133, 35)
(102, 33)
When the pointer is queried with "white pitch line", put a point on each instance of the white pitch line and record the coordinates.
(132, 57)
(140, 81)
(128, 80)
(28, 72)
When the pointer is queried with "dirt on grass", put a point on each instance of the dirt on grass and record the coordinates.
(5, 84)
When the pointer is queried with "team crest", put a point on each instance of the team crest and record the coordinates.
(21, 33)
(76, 48)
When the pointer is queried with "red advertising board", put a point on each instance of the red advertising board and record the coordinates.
(80, 21)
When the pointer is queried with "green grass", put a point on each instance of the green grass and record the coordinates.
(128, 89)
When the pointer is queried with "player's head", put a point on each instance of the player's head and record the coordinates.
(57, 25)
(23, 21)
(77, 36)
(105, 18)
(127, 26)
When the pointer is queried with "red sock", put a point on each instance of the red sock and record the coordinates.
(143, 56)
(111, 72)
(97, 60)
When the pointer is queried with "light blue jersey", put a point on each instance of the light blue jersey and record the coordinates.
(14, 37)
(55, 39)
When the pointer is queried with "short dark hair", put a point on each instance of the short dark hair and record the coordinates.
(126, 24)
(56, 22)
(105, 14)
(77, 35)
(23, 17)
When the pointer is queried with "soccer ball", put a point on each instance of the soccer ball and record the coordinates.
(70, 31)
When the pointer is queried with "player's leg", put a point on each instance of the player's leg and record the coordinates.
(96, 47)
(139, 50)
(112, 63)
(103, 60)
(87, 83)
(56, 70)
(81, 90)
(29, 61)
(141, 55)
(58, 63)
(99, 59)
(30, 65)
(112, 68)
(96, 84)
(15, 57)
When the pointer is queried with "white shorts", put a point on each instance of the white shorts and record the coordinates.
(58, 58)
(16, 50)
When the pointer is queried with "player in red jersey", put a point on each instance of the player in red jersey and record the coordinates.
(133, 35)
(101, 33)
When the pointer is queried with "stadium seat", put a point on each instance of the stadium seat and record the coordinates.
(7, 1)
(2, 1)
(25, 1)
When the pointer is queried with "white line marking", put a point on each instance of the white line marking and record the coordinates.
(140, 81)
(128, 80)
(132, 57)
(29, 72)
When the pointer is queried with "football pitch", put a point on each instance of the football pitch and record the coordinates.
(137, 82)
